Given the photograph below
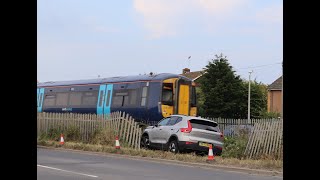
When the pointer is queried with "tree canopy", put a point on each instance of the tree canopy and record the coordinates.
(223, 90)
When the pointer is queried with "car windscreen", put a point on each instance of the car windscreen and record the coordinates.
(205, 125)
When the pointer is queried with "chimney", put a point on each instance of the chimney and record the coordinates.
(185, 70)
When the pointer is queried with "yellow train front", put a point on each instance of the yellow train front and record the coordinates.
(147, 98)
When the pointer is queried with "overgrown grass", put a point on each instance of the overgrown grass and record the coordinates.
(103, 140)
(267, 164)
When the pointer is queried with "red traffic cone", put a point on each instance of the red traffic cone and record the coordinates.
(117, 143)
(210, 154)
(61, 139)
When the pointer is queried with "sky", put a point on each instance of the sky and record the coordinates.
(81, 39)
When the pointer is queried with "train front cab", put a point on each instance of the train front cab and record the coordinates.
(178, 97)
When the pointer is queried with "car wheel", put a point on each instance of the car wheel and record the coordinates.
(173, 147)
(145, 142)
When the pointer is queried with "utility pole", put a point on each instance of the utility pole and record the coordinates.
(249, 96)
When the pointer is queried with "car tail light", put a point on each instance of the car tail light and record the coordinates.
(188, 129)
(188, 142)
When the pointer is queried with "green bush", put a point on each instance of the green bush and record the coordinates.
(234, 147)
(72, 134)
(54, 134)
(270, 115)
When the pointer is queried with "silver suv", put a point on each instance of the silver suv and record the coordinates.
(178, 133)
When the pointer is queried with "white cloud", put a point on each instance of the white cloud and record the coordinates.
(163, 17)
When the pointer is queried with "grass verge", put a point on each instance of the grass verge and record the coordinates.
(264, 164)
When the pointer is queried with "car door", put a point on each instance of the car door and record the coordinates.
(168, 129)
(155, 132)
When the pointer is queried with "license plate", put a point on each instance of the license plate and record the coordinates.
(204, 144)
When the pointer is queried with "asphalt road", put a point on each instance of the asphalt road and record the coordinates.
(65, 165)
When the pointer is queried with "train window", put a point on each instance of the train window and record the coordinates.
(75, 99)
(133, 97)
(144, 91)
(90, 98)
(167, 94)
(108, 98)
(117, 101)
(101, 97)
(125, 101)
(62, 99)
(49, 100)
(144, 96)
(193, 97)
(143, 101)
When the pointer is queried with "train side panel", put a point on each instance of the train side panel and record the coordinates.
(72, 99)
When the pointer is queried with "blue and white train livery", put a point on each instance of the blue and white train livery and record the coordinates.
(147, 98)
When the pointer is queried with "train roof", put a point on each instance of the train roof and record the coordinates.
(156, 77)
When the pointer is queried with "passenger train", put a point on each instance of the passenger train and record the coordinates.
(147, 98)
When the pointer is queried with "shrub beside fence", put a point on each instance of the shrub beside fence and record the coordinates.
(85, 127)
(264, 137)
(235, 124)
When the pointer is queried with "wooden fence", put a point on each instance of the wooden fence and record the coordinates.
(121, 124)
(233, 125)
(266, 139)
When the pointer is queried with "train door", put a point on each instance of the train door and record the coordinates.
(108, 98)
(101, 99)
(40, 94)
(183, 99)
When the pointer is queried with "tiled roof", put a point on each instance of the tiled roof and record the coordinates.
(192, 75)
(276, 85)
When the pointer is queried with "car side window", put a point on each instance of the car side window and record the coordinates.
(164, 122)
(174, 120)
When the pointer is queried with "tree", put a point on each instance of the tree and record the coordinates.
(200, 102)
(258, 99)
(224, 92)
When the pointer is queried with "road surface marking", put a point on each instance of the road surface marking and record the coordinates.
(67, 171)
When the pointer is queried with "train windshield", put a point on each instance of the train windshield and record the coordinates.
(167, 94)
